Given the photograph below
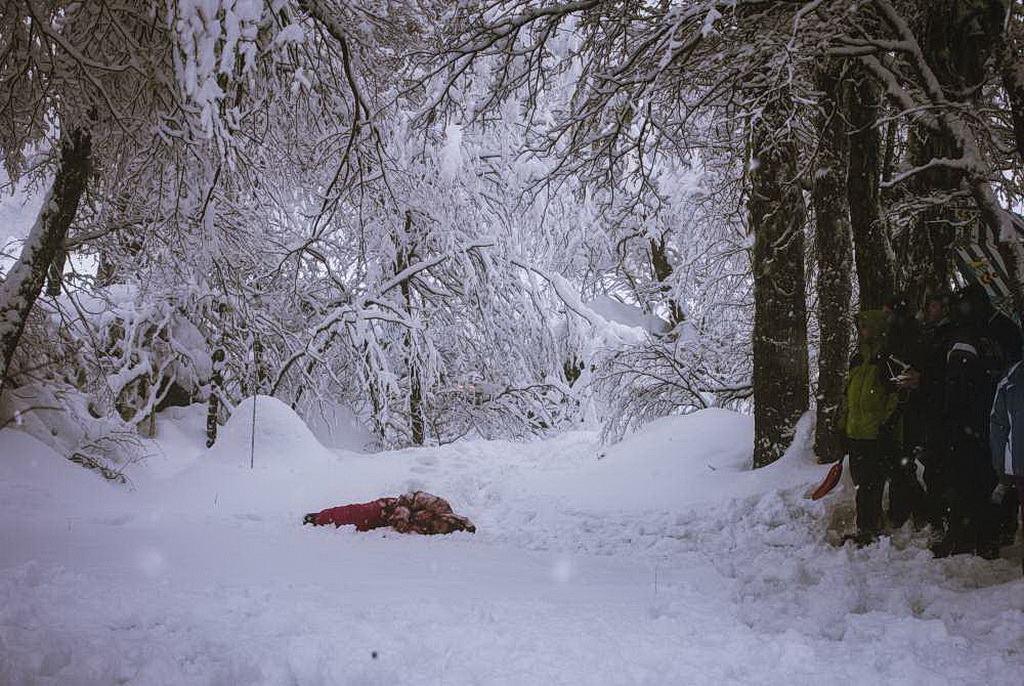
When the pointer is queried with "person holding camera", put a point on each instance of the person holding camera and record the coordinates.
(868, 423)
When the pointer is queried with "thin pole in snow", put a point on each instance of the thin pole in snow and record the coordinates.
(255, 395)
(252, 441)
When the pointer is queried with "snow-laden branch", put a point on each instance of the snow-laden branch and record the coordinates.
(610, 332)
(961, 164)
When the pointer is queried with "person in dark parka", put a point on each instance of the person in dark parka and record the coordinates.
(960, 432)
(906, 355)
(1006, 436)
(925, 386)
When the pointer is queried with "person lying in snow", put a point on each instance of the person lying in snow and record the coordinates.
(415, 512)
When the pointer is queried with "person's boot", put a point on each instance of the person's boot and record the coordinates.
(950, 544)
(861, 538)
(988, 551)
(942, 548)
(989, 543)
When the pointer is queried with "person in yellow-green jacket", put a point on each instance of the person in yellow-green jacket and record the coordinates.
(870, 410)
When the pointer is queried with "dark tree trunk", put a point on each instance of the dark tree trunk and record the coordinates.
(889, 161)
(956, 39)
(56, 276)
(45, 242)
(777, 216)
(1011, 68)
(834, 250)
(663, 273)
(928, 255)
(1012, 73)
(876, 271)
(213, 403)
(403, 260)
(416, 408)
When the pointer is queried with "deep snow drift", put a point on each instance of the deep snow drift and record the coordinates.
(662, 559)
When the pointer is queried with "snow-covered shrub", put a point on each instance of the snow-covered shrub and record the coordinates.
(134, 348)
(665, 376)
(65, 418)
(98, 364)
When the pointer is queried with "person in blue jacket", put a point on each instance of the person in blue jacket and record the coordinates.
(1006, 435)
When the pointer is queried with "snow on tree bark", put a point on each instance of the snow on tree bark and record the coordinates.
(928, 258)
(777, 215)
(405, 253)
(834, 251)
(1011, 68)
(948, 44)
(663, 269)
(213, 402)
(876, 272)
(45, 242)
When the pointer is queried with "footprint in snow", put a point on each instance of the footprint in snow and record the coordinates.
(118, 520)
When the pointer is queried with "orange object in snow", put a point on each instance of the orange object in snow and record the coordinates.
(835, 472)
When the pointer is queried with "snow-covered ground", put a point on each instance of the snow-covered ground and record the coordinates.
(661, 560)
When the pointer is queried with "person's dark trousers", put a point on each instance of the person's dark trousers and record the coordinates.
(906, 495)
(1008, 515)
(973, 518)
(869, 466)
(936, 490)
(1018, 481)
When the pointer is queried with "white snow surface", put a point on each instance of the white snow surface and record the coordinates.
(19, 207)
(628, 315)
(661, 560)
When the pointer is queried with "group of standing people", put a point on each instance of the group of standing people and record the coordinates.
(942, 388)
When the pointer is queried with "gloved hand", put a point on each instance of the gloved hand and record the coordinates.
(999, 493)
(309, 519)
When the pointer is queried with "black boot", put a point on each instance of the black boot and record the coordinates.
(861, 538)
(950, 544)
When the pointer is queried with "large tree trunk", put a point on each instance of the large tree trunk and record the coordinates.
(834, 250)
(928, 257)
(777, 216)
(876, 271)
(403, 259)
(955, 38)
(213, 402)
(1011, 68)
(45, 242)
(663, 271)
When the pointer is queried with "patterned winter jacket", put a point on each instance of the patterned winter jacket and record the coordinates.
(1006, 424)
(415, 512)
(422, 513)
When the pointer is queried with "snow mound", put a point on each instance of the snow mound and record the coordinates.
(64, 422)
(281, 435)
(676, 462)
(719, 438)
(337, 427)
(40, 484)
(290, 470)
